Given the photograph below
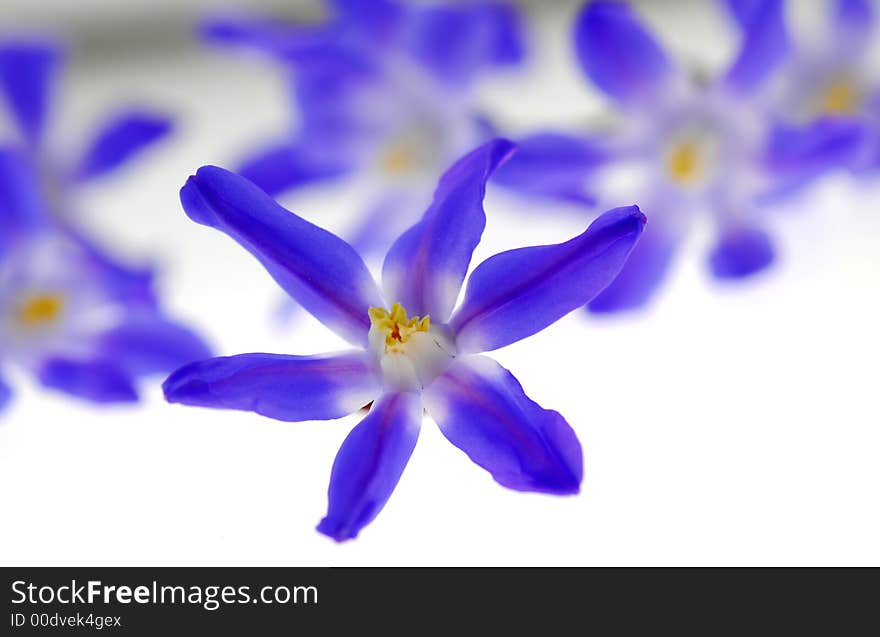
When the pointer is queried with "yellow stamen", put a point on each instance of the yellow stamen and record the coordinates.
(396, 326)
(40, 309)
(399, 158)
(839, 98)
(683, 162)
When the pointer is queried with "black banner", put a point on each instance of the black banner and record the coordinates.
(267, 601)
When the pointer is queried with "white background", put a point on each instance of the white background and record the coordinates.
(730, 424)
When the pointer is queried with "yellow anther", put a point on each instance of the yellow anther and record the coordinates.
(684, 162)
(396, 326)
(399, 158)
(839, 98)
(40, 309)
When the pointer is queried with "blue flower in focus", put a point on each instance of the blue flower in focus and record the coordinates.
(834, 80)
(383, 90)
(69, 315)
(412, 349)
(687, 148)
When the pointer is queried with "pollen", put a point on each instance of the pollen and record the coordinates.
(399, 158)
(40, 309)
(839, 98)
(396, 326)
(684, 163)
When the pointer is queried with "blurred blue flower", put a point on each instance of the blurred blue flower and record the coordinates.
(382, 89)
(69, 314)
(28, 81)
(694, 147)
(411, 350)
(835, 80)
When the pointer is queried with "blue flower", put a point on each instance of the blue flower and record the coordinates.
(696, 149)
(69, 314)
(28, 71)
(833, 82)
(411, 351)
(382, 90)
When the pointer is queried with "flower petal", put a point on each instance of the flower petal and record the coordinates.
(374, 19)
(740, 252)
(455, 43)
(743, 11)
(122, 282)
(27, 71)
(853, 22)
(618, 54)
(520, 292)
(119, 140)
(290, 388)
(284, 166)
(318, 269)
(22, 207)
(369, 464)
(797, 154)
(5, 394)
(481, 408)
(552, 165)
(426, 265)
(149, 344)
(99, 381)
(643, 272)
(765, 43)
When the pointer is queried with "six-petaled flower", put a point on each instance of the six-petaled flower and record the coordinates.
(415, 350)
(685, 148)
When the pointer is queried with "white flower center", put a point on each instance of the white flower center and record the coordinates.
(411, 353)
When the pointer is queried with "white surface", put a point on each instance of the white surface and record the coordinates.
(728, 425)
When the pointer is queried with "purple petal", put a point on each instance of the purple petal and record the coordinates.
(374, 19)
(318, 269)
(644, 271)
(795, 155)
(369, 464)
(27, 72)
(122, 282)
(256, 32)
(740, 252)
(425, 267)
(99, 381)
(290, 388)
(456, 42)
(618, 54)
(149, 344)
(121, 139)
(853, 22)
(279, 168)
(482, 409)
(765, 44)
(552, 165)
(5, 394)
(520, 292)
(22, 206)
(744, 11)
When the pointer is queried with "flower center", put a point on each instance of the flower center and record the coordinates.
(410, 351)
(40, 310)
(399, 158)
(396, 327)
(684, 163)
(839, 98)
